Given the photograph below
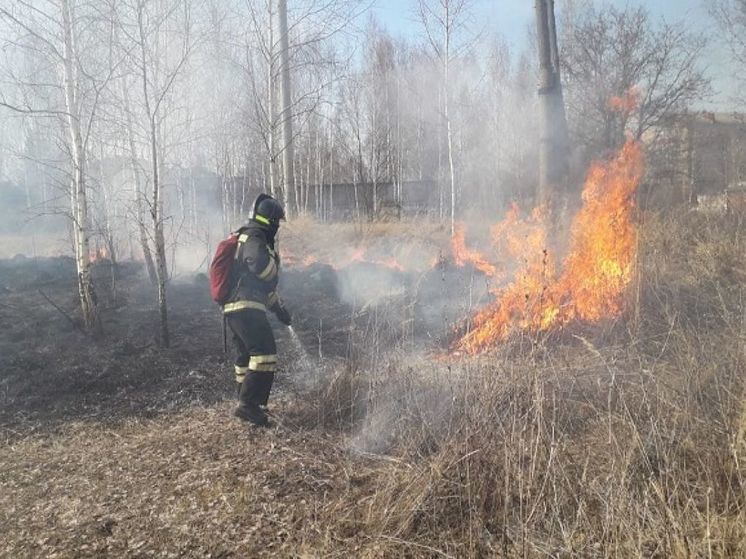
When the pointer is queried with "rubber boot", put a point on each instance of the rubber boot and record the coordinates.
(264, 387)
(248, 408)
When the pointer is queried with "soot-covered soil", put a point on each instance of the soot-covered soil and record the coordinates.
(114, 446)
(53, 372)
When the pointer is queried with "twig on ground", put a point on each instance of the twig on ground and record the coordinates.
(62, 312)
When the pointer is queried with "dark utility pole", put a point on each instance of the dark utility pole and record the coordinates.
(553, 147)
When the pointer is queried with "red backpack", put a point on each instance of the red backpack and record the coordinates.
(221, 269)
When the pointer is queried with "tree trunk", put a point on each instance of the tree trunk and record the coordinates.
(287, 113)
(139, 194)
(108, 232)
(446, 112)
(441, 201)
(330, 207)
(690, 192)
(79, 201)
(307, 182)
(360, 180)
(156, 210)
(399, 144)
(274, 179)
(553, 141)
(160, 239)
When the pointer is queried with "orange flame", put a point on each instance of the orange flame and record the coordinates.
(627, 103)
(463, 255)
(98, 254)
(595, 272)
(358, 255)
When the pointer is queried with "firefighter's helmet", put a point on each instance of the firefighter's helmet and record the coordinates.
(269, 209)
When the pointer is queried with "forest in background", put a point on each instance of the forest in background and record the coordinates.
(189, 94)
(510, 366)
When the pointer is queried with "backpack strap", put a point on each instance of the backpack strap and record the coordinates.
(242, 238)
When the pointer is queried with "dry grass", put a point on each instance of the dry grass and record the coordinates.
(408, 241)
(195, 484)
(626, 440)
(579, 454)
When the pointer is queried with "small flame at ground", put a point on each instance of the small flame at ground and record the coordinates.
(590, 283)
(355, 256)
(463, 255)
(98, 254)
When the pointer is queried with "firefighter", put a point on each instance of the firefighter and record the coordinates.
(257, 267)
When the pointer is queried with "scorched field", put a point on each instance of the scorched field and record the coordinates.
(396, 432)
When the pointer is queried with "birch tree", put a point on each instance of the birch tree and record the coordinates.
(443, 21)
(139, 192)
(286, 113)
(291, 46)
(66, 85)
(158, 36)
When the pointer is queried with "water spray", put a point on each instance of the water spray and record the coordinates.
(304, 360)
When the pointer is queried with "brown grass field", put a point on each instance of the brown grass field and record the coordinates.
(621, 439)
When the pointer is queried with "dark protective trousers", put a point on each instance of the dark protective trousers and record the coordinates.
(256, 354)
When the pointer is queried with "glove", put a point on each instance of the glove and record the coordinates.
(283, 315)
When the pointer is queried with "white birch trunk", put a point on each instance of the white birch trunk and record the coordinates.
(156, 210)
(330, 208)
(78, 195)
(274, 179)
(139, 194)
(287, 113)
(446, 112)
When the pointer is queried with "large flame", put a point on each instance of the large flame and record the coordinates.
(591, 282)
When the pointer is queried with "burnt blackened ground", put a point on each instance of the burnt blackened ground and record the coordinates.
(53, 372)
(114, 446)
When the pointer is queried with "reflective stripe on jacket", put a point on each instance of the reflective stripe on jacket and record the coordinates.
(258, 267)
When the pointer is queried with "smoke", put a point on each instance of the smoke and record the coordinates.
(192, 259)
(409, 396)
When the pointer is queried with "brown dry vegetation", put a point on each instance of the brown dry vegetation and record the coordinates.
(625, 439)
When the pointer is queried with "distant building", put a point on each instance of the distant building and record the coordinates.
(345, 201)
(698, 159)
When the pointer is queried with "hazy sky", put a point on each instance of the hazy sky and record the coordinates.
(512, 18)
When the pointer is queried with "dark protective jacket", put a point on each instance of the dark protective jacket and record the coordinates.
(256, 268)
